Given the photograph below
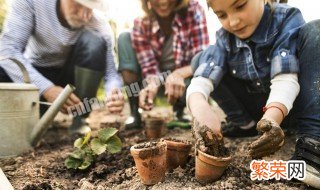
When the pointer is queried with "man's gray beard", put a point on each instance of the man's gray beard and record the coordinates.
(74, 25)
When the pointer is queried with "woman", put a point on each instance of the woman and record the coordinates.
(165, 39)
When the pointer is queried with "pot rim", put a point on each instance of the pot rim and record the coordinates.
(159, 145)
(213, 159)
(177, 145)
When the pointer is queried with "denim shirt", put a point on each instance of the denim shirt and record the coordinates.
(270, 50)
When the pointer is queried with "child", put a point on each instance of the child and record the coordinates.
(264, 55)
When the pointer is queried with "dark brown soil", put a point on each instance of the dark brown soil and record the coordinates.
(208, 142)
(44, 167)
(146, 145)
(177, 140)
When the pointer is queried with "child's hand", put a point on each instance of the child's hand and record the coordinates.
(271, 140)
(202, 113)
(206, 139)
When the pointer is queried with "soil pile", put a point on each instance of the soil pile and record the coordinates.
(209, 142)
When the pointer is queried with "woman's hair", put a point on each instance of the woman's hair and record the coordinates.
(181, 4)
(267, 1)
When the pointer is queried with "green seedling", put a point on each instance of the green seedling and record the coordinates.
(87, 150)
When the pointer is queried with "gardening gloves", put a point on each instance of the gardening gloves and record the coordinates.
(271, 140)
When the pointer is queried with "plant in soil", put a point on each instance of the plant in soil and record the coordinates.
(88, 149)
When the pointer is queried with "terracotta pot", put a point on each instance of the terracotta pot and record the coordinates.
(155, 128)
(210, 168)
(150, 162)
(177, 152)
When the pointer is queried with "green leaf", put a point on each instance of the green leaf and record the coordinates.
(97, 146)
(84, 165)
(80, 142)
(72, 163)
(86, 138)
(105, 134)
(77, 154)
(114, 145)
(87, 162)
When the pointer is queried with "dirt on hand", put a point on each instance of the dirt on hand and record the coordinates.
(271, 140)
(209, 142)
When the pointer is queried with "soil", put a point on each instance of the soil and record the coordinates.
(177, 140)
(208, 142)
(146, 145)
(43, 168)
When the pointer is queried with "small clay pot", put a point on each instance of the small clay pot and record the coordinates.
(210, 168)
(177, 152)
(155, 128)
(150, 160)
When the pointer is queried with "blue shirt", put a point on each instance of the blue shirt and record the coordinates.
(270, 50)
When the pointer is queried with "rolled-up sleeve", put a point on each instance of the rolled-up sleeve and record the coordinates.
(284, 58)
(212, 63)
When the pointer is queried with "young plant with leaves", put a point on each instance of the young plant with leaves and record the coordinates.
(87, 150)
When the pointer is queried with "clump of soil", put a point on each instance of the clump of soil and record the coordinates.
(209, 142)
(177, 140)
(146, 145)
(149, 149)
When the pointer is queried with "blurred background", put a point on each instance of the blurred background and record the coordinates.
(121, 13)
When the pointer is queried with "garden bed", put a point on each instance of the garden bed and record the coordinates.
(43, 168)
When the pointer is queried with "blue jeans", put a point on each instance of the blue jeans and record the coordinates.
(242, 105)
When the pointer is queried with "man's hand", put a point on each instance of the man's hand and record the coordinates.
(115, 101)
(53, 92)
(174, 87)
(271, 140)
(147, 95)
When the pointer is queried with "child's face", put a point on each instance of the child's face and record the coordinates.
(163, 8)
(239, 17)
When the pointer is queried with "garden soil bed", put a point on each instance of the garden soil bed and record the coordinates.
(43, 168)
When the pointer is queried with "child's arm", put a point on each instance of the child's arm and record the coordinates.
(284, 90)
(197, 102)
(275, 111)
